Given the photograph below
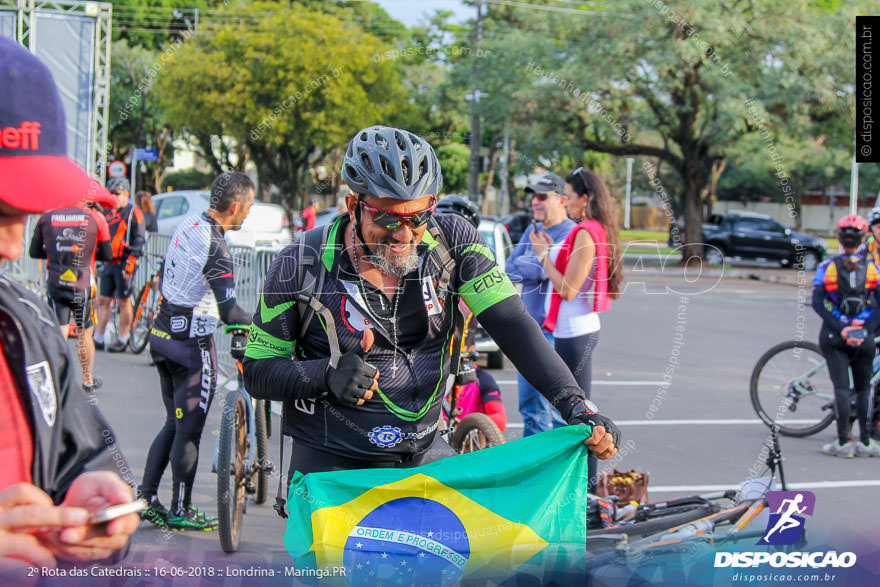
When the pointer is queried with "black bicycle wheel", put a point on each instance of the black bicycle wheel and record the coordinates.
(790, 387)
(475, 432)
(262, 451)
(231, 462)
(143, 318)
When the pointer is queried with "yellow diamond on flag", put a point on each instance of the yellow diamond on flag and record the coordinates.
(419, 527)
(67, 276)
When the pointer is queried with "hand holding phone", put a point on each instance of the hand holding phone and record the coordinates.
(535, 226)
(117, 511)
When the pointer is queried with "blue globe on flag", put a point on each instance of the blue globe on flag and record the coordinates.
(404, 541)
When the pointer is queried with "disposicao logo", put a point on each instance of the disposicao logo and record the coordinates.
(784, 528)
(786, 525)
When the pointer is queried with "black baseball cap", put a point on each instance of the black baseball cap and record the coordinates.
(35, 172)
(548, 182)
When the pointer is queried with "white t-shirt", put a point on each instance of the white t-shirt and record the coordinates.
(576, 316)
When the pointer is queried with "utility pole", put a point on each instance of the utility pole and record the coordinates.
(504, 207)
(628, 202)
(474, 164)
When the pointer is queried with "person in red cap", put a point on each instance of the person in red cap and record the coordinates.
(59, 456)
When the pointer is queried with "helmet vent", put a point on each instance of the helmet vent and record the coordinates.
(365, 161)
(401, 143)
(406, 169)
(387, 167)
(423, 167)
(380, 141)
(351, 173)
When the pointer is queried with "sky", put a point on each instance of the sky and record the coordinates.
(411, 12)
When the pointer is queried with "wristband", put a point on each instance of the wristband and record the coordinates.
(129, 264)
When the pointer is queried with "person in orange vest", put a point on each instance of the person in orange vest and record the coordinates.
(127, 241)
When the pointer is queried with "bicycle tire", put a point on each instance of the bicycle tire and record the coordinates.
(475, 432)
(262, 481)
(230, 459)
(811, 427)
(140, 325)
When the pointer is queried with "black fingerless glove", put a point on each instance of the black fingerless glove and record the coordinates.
(586, 412)
(351, 378)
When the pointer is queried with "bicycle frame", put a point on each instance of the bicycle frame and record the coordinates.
(801, 387)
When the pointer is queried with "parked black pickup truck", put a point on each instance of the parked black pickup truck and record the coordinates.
(748, 235)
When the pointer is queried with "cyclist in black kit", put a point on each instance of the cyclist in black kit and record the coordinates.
(71, 239)
(368, 374)
(198, 288)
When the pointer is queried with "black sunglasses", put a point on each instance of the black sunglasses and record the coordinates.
(393, 220)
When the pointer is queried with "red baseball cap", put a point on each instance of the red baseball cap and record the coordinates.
(35, 173)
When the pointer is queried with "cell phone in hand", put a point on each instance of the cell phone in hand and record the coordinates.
(535, 226)
(116, 511)
(861, 333)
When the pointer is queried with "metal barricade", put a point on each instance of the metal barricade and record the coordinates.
(251, 265)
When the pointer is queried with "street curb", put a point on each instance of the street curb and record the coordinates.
(791, 277)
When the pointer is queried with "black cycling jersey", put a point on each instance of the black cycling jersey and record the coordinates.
(71, 238)
(401, 419)
(198, 283)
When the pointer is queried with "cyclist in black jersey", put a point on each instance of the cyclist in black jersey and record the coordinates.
(198, 289)
(845, 295)
(383, 284)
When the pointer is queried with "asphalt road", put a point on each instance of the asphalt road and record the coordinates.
(695, 433)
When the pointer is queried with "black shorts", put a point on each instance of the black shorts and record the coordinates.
(75, 303)
(113, 285)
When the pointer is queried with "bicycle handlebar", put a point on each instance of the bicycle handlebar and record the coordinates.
(233, 328)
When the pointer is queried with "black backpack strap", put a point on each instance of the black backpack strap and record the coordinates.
(311, 274)
(441, 257)
(445, 263)
(310, 280)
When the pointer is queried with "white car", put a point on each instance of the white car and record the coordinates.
(267, 225)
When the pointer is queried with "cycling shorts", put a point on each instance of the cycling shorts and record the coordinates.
(71, 305)
(113, 284)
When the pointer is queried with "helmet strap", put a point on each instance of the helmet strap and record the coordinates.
(357, 229)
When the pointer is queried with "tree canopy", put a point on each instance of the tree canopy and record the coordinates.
(282, 91)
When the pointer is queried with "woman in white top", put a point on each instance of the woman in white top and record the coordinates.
(586, 273)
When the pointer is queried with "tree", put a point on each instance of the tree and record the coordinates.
(454, 163)
(136, 118)
(282, 89)
(684, 85)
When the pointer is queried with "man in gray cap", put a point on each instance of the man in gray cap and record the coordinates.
(127, 238)
(524, 267)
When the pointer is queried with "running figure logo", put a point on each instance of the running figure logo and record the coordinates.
(786, 525)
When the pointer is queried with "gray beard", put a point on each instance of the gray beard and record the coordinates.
(396, 269)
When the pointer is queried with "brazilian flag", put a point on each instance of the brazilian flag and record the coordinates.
(517, 508)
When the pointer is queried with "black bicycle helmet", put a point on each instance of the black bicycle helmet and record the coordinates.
(389, 162)
(462, 207)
